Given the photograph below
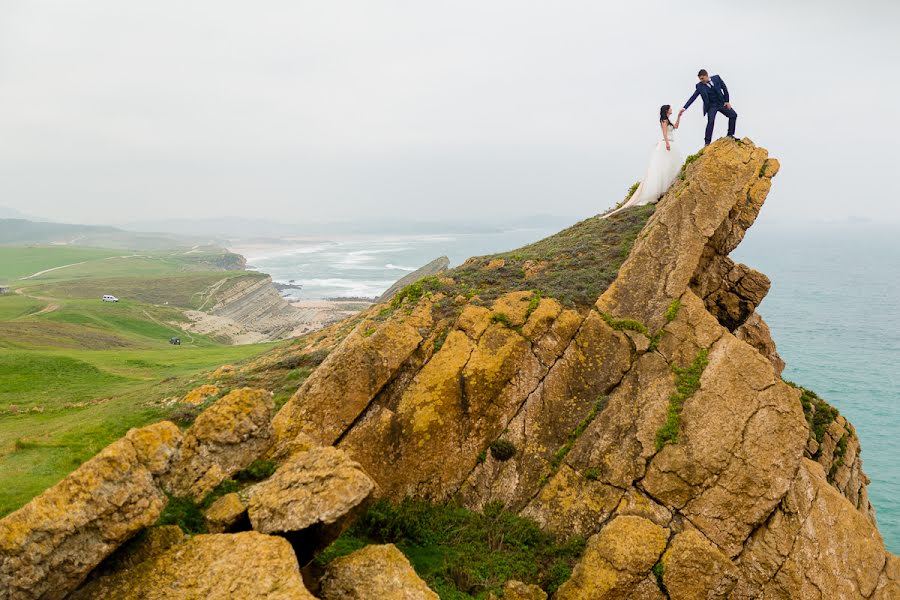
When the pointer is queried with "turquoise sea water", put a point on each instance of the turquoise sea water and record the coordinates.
(834, 312)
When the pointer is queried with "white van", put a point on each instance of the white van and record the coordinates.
(108, 298)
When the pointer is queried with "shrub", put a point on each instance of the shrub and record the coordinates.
(462, 553)
(258, 470)
(185, 513)
(502, 318)
(502, 450)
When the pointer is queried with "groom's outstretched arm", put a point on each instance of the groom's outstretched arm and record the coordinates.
(691, 99)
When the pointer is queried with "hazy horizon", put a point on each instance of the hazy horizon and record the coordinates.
(307, 112)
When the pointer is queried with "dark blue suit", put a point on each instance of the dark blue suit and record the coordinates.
(714, 98)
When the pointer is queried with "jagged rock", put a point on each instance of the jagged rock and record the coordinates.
(374, 573)
(712, 207)
(241, 565)
(741, 421)
(225, 438)
(617, 561)
(438, 265)
(515, 306)
(224, 513)
(48, 546)
(156, 445)
(695, 569)
(320, 488)
(756, 332)
(815, 541)
(592, 364)
(354, 372)
(453, 408)
(199, 395)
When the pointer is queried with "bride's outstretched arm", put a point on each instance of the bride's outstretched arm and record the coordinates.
(678, 120)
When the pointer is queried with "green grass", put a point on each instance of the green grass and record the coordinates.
(463, 554)
(77, 372)
(687, 381)
(16, 262)
(687, 161)
(573, 266)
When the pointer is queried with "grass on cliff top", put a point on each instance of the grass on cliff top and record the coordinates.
(460, 553)
(575, 266)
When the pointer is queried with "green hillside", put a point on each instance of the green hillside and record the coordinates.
(78, 372)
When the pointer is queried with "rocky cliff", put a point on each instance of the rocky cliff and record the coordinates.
(650, 418)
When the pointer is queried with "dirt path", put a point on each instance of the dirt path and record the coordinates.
(48, 308)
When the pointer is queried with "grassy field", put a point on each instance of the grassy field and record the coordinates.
(77, 372)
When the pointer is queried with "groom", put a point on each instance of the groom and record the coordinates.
(715, 100)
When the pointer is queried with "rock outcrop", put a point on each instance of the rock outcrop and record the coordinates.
(663, 402)
(650, 419)
(438, 265)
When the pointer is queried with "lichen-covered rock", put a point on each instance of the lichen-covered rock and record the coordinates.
(374, 573)
(321, 487)
(201, 394)
(342, 387)
(156, 445)
(742, 435)
(224, 439)
(48, 546)
(712, 207)
(224, 513)
(617, 561)
(240, 565)
(455, 406)
(591, 365)
(695, 569)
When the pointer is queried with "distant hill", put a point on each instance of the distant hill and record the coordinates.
(23, 231)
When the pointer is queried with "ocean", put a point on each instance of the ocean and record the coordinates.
(834, 312)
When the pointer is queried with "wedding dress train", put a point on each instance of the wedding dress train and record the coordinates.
(661, 173)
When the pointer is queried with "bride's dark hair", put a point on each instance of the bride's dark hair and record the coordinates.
(664, 114)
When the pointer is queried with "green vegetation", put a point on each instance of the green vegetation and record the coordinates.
(687, 381)
(257, 471)
(625, 324)
(574, 266)
(819, 414)
(463, 554)
(659, 570)
(573, 436)
(672, 311)
(502, 318)
(502, 450)
(77, 372)
(687, 161)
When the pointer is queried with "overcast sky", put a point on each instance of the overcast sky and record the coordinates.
(112, 111)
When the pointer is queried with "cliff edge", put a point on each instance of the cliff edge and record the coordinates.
(651, 419)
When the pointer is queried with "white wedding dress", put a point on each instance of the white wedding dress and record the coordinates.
(661, 173)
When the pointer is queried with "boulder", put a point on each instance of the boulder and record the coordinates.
(374, 573)
(49, 546)
(617, 562)
(224, 513)
(225, 438)
(199, 395)
(312, 496)
(240, 565)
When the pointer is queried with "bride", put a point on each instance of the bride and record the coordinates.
(665, 164)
